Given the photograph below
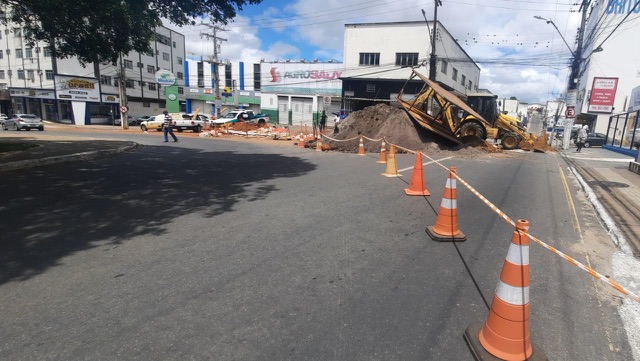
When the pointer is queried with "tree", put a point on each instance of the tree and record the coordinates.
(99, 30)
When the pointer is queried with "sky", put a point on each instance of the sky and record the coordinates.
(519, 56)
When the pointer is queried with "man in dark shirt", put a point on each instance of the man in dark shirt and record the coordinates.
(167, 127)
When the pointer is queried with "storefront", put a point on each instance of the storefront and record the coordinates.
(40, 102)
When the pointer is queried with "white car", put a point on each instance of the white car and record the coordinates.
(130, 119)
(156, 122)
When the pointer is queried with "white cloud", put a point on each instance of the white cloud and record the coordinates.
(519, 55)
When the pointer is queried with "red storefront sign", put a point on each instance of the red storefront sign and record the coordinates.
(603, 95)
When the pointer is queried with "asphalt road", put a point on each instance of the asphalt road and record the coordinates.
(224, 250)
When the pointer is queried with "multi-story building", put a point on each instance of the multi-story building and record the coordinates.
(610, 67)
(34, 86)
(378, 58)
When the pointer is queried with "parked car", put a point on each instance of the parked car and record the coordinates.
(3, 116)
(595, 139)
(155, 122)
(23, 121)
(131, 120)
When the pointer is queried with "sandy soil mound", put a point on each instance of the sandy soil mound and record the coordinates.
(393, 124)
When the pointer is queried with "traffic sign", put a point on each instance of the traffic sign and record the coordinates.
(570, 112)
(124, 109)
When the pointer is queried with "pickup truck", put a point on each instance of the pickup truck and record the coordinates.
(248, 116)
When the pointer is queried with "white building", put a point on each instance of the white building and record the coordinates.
(378, 58)
(34, 86)
(609, 76)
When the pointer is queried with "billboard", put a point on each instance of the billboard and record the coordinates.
(634, 104)
(302, 78)
(77, 88)
(603, 95)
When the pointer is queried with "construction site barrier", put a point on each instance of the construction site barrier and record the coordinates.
(392, 171)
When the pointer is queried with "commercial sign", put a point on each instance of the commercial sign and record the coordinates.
(634, 104)
(302, 78)
(603, 95)
(77, 88)
(32, 93)
(108, 98)
(165, 77)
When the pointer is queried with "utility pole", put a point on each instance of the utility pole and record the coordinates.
(432, 57)
(216, 48)
(124, 119)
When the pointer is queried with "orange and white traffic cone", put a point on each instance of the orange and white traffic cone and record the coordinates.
(417, 187)
(505, 334)
(383, 153)
(301, 142)
(446, 227)
(361, 146)
(392, 166)
(319, 143)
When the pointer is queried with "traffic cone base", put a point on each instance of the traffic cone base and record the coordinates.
(417, 187)
(471, 338)
(459, 237)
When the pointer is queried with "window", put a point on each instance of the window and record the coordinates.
(20, 74)
(406, 59)
(152, 86)
(180, 76)
(162, 39)
(454, 75)
(30, 75)
(151, 69)
(256, 77)
(47, 52)
(369, 59)
(179, 61)
(18, 53)
(180, 90)
(129, 83)
(105, 80)
(470, 85)
(128, 64)
(1, 53)
(28, 52)
(464, 80)
(174, 44)
(371, 88)
(48, 74)
(443, 67)
(165, 56)
(1, 74)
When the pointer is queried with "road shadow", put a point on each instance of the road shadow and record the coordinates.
(54, 211)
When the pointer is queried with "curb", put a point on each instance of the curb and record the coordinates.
(29, 163)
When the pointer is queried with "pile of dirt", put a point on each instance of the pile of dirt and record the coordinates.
(394, 125)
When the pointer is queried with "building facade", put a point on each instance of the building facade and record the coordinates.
(379, 57)
(610, 68)
(86, 94)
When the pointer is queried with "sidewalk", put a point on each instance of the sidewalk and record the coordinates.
(46, 149)
(607, 175)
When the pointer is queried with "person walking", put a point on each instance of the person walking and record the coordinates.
(323, 121)
(167, 127)
(582, 137)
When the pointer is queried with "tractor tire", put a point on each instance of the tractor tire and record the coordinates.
(509, 141)
(472, 129)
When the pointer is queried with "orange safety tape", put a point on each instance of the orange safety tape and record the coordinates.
(339, 140)
(615, 285)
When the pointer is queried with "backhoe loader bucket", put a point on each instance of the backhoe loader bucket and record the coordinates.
(541, 144)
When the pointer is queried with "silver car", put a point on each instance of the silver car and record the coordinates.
(23, 121)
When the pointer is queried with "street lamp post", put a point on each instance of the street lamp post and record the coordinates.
(572, 85)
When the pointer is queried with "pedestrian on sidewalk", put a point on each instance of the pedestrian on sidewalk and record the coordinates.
(582, 137)
(168, 120)
(323, 121)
